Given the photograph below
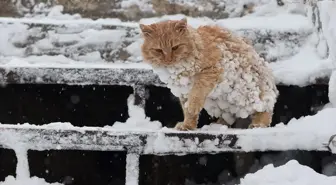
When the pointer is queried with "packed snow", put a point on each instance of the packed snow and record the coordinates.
(307, 133)
(137, 119)
(291, 173)
(132, 169)
(302, 69)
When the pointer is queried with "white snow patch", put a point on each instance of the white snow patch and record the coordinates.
(327, 11)
(10, 180)
(132, 169)
(306, 133)
(90, 57)
(271, 8)
(214, 127)
(302, 69)
(12, 34)
(143, 5)
(41, 11)
(274, 23)
(137, 119)
(291, 173)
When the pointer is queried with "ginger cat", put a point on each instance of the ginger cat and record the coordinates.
(210, 68)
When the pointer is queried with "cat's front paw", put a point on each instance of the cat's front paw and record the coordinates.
(184, 127)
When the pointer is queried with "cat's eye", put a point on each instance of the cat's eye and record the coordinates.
(175, 47)
(158, 50)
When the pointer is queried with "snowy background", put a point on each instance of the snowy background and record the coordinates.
(298, 40)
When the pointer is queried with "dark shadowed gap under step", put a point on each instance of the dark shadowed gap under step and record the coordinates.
(293, 102)
(108, 168)
(218, 169)
(174, 170)
(80, 105)
(94, 105)
(79, 167)
(7, 163)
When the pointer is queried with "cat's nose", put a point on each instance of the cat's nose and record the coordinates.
(168, 58)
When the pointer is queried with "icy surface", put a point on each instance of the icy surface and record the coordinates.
(291, 173)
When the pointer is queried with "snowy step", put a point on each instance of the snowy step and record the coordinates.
(61, 136)
(21, 71)
(134, 10)
(61, 70)
(110, 40)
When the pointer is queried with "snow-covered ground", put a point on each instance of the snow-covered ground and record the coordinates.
(292, 173)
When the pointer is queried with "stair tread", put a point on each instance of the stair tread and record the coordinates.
(298, 22)
(111, 40)
(294, 71)
(48, 136)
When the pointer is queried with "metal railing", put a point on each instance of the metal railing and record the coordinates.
(137, 143)
(163, 142)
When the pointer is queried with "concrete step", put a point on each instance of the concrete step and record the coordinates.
(111, 40)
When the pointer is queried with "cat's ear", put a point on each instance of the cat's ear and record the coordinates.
(181, 25)
(146, 30)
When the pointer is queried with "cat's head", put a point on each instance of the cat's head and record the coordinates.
(166, 43)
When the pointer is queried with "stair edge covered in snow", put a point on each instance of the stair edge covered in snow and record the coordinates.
(162, 142)
(109, 75)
